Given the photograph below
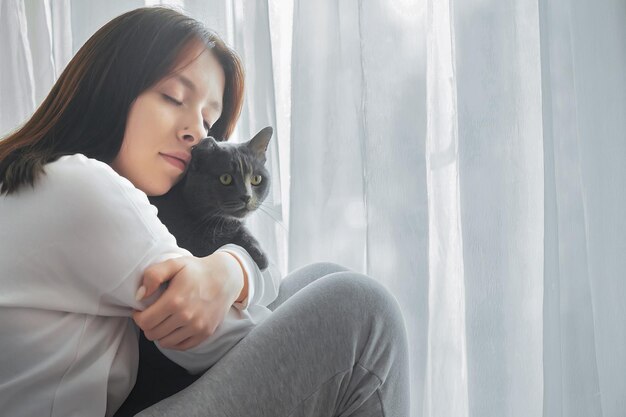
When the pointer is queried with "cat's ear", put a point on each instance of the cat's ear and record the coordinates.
(208, 143)
(259, 142)
(202, 146)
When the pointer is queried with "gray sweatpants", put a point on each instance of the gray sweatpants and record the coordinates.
(335, 345)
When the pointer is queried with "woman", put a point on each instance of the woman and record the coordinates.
(83, 252)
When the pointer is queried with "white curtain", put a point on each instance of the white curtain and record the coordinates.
(469, 155)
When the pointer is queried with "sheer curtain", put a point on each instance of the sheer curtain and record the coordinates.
(469, 155)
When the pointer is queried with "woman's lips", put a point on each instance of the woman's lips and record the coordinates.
(174, 161)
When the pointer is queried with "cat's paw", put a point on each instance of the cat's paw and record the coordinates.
(260, 259)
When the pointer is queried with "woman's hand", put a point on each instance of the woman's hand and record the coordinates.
(199, 295)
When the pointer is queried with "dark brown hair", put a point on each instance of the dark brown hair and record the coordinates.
(86, 110)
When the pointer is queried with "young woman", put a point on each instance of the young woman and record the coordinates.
(83, 255)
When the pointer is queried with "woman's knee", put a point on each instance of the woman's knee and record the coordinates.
(365, 295)
(319, 269)
(301, 277)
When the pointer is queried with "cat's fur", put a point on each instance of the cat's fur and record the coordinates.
(202, 212)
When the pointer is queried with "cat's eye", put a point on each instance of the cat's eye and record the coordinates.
(256, 180)
(226, 179)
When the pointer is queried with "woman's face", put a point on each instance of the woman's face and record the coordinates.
(165, 121)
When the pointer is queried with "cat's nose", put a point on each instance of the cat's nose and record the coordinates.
(245, 198)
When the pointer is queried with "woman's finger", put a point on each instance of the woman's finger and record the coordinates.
(157, 313)
(164, 328)
(171, 301)
(157, 274)
(176, 337)
(188, 343)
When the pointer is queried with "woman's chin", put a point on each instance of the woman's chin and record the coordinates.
(157, 190)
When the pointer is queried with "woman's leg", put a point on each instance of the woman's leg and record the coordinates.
(159, 378)
(301, 277)
(335, 345)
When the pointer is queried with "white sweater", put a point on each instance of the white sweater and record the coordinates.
(72, 253)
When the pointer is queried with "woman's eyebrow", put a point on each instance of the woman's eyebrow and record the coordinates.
(190, 85)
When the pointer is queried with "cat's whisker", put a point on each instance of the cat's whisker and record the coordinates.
(220, 226)
(206, 222)
(267, 206)
(268, 201)
(206, 212)
(208, 219)
(225, 223)
(215, 229)
(277, 212)
(214, 226)
(279, 222)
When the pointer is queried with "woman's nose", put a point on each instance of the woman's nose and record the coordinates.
(192, 137)
(193, 133)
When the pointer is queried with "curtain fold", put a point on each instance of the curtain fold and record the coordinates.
(595, 287)
(357, 151)
(446, 379)
(16, 69)
(572, 368)
(498, 81)
(39, 25)
(469, 155)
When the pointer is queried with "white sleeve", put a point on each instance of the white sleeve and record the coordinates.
(262, 285)
(102, 233)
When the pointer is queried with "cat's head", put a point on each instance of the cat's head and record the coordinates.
(228, 178)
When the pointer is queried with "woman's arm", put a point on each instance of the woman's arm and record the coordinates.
(200, 292)
(237, 323)
(203, 311)
(110, 236)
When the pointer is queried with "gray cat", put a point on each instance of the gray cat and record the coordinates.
(224, 183)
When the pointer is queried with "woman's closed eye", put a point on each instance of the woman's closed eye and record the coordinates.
(180, 103)
(172, 99)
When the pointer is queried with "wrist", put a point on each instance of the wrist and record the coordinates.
(244, 288)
